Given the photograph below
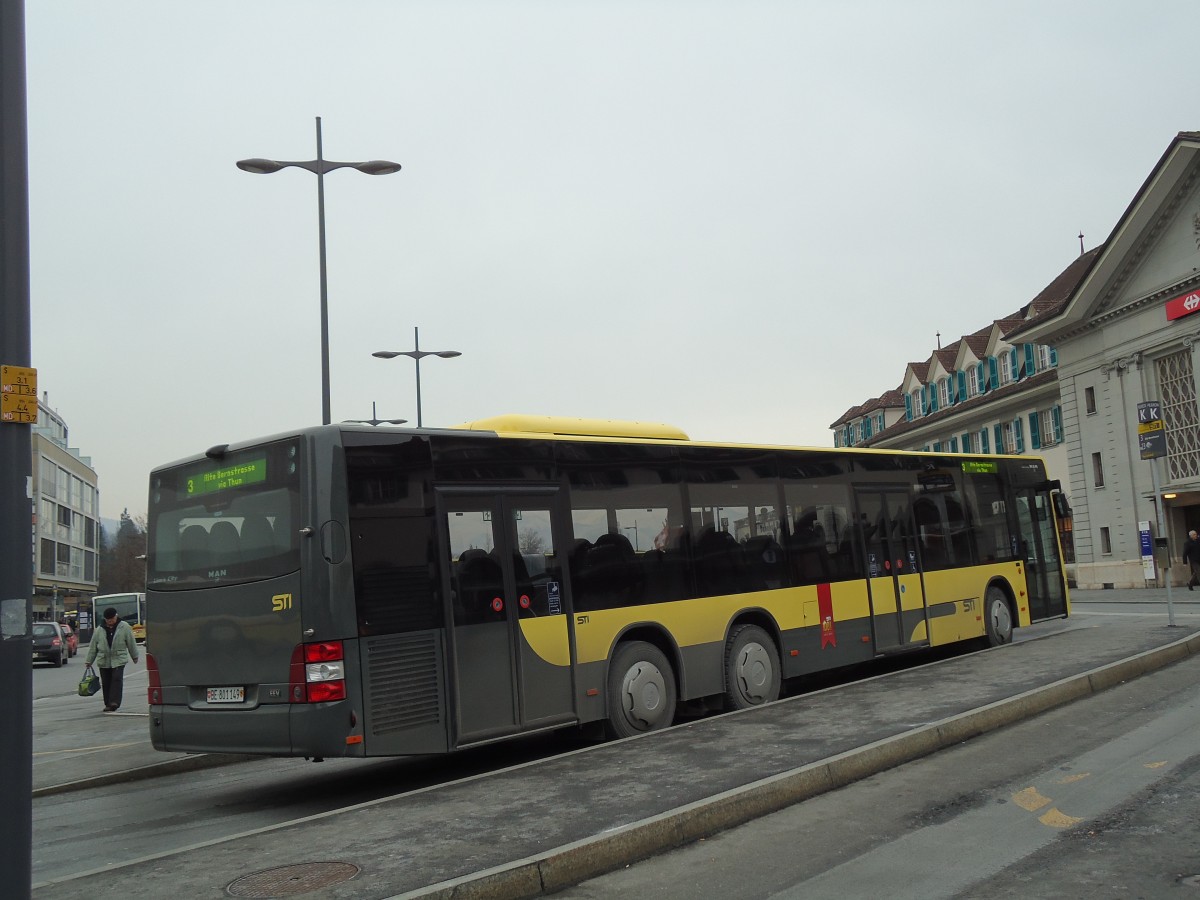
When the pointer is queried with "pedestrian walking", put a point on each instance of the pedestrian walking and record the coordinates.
(112, 646)
(1191, 556)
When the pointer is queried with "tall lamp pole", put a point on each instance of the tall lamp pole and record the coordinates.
(375, 420)
(319, 167)
(417, 354)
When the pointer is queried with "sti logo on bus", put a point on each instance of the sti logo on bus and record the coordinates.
(280, 602)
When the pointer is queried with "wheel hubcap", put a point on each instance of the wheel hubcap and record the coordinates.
(754, 672)
(644, 693)
(1001, 618)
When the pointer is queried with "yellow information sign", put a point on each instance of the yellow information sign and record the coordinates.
(18, 395)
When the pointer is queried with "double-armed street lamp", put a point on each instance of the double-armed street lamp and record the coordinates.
(319, 167)
(375, 420)
(416, 354)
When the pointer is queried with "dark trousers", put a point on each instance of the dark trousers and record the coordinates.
(1195, 579)
(113, 683)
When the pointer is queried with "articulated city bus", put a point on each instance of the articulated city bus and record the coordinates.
(130, 607)
(348, 591)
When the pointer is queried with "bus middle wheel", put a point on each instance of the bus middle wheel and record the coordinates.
(752, 673)
(641, 690)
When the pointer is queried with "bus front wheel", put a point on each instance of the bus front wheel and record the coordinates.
(997, 617)
(641, 690)
(752, 675)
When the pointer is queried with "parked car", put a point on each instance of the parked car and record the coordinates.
(49, 644)
(71, 638)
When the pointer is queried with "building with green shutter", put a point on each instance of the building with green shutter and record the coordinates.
(1063, 378)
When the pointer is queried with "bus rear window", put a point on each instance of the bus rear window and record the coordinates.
(230, 520)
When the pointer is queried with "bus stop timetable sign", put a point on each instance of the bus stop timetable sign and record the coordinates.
(18, 395)
(1152, 438)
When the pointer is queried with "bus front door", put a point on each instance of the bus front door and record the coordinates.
(1043, 563)
(510, 651)
(898, 613)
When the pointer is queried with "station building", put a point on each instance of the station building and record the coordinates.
(1066, 377)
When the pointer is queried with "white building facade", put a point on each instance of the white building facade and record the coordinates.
(1127, 336)
(66, 520)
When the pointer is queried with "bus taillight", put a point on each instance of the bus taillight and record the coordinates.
(318, 673)
(154, 691)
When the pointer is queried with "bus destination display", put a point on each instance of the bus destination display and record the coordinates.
(249, 472)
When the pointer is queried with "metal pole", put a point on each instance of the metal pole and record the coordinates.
(1162, 530)
(417, 358)
(16, 570)
(326, 418)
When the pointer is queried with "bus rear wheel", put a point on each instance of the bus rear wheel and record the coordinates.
(641, 690)
(997, 617)
(752, 674)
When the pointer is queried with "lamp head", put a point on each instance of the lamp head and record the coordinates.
(378, 167)
(259, 166)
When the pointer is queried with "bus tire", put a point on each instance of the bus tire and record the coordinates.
(997, 617)
(752, 672)
(641, 690)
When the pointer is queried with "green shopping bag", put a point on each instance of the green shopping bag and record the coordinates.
(89, 684)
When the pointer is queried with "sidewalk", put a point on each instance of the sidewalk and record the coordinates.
(537, 828)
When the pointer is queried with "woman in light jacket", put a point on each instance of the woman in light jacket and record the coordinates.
(112, 646)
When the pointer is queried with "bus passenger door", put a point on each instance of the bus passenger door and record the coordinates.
(509, 646)
(1039, 545)
(892, 568)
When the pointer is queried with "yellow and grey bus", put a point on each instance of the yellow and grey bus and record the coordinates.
(348, 591)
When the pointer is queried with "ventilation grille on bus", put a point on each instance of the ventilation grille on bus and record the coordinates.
(403, 689)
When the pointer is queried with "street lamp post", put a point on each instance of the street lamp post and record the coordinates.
(417, 354)
(375, 420)
(319, 167)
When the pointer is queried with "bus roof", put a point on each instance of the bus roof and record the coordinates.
(566, 426)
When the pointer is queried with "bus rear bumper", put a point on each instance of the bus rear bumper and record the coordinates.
(280, 730)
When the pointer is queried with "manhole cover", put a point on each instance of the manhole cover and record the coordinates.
(286, 881)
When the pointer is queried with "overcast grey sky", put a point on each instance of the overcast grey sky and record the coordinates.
(739, 217)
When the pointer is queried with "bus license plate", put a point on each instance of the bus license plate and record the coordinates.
(227, 695)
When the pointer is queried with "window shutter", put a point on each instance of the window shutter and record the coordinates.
(937, 446)
(983, 440)
(993, 373)
(1012, 363)
(1053, 357)
(1035, 432)
(1018, 438)
(908, 407)
(999, 439)
(1030, 363)
(953, 445)
(962, 386)
(1056, 421)
(867, 427)
(966, 442)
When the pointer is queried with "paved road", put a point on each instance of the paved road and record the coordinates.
(1095, 799)
(543, 826)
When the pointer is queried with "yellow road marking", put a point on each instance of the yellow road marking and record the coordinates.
(1056, 819)
(1071, 779)
(1030, 800)
(1156, 765)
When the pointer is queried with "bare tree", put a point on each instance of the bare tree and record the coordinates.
(531, 541)
(123, 558)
